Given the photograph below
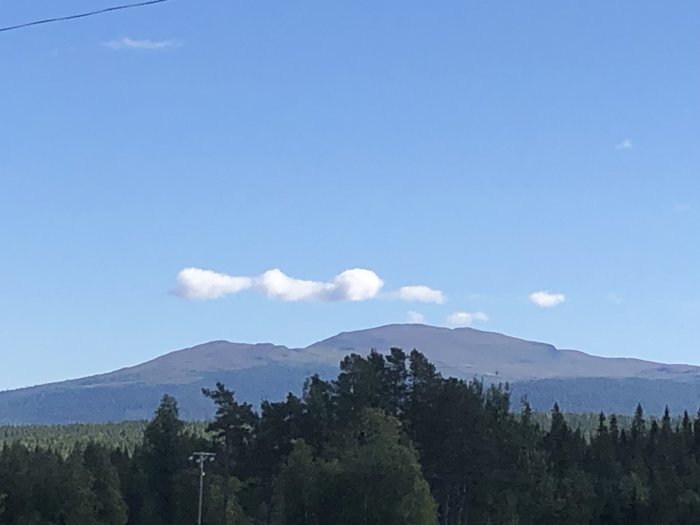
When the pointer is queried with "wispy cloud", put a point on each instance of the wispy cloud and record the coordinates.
(419, 293)
(545, 299)
(357, 284)
(415, 317)
(466, 318)
(141, 44)
(625, 144)
(682, 208)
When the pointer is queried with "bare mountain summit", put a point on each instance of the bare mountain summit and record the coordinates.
(468, 353)
(266, 371)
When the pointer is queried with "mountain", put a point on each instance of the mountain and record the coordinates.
(545, 374)
(468, 353)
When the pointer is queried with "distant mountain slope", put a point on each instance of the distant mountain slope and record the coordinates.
(466, 352)
(581, 382)
(95, 402)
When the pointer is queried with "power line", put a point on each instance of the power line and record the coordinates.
(81, 15)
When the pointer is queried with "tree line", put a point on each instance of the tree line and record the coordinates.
(64, 438)
(389, 441)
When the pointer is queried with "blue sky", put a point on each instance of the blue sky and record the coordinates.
(485, 150)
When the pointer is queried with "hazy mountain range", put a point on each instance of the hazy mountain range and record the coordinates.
(579, 381)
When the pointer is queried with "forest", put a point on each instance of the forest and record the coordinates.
(390, 441)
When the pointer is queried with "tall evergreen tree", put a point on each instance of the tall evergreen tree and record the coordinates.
(80, 502)
(110, 508)
(234, 427)
(164, 456)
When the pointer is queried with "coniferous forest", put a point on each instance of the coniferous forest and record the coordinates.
(390, 441)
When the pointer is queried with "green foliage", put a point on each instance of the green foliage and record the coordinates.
(372, 477)
(163, 459)
(377, 478)
(389, 442)
(223, 506)
(297, 492)
(126, 435)
(233, 427)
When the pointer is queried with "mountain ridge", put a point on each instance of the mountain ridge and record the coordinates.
(268, 371)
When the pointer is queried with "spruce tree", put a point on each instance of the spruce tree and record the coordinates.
(164, 456)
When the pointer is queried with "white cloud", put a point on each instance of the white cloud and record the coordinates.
(466, 318)
(194, 283)
(420, 293)
(275, 283)
(357, 284)
(625, 144)
(682, 208)
(351, 285)
(415, 317)
(547, 299)
(144, 45)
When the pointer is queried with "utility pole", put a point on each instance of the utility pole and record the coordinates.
(200, 458)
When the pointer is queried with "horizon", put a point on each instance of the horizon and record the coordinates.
(363, 352)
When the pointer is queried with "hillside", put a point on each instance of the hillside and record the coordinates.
(579, 381)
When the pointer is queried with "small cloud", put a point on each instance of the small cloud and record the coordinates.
(466, 318)
(625, 144)
(144, 45)
(545, 299)
(198, 284)
(420, 293)
(357, 284)
(415, 317)
(682, 208)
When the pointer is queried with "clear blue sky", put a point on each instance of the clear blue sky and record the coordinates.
(488, 150)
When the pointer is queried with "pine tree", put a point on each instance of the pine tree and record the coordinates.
(320, 414)
(110, 508)
(164, 456)
(80, 502)
(234, 427)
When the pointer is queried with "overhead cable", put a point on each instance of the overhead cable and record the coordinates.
(81, 15)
